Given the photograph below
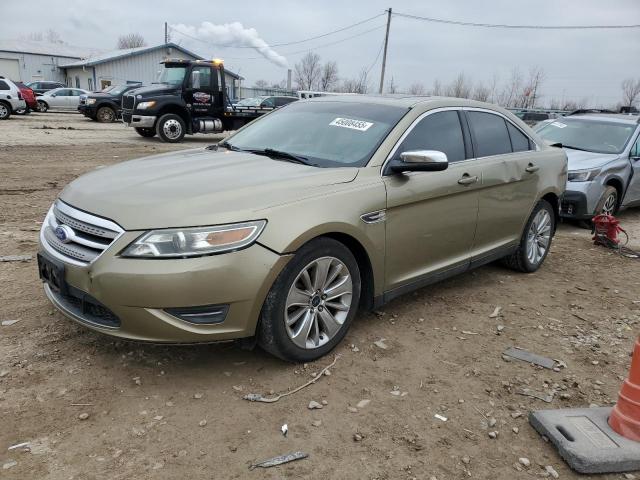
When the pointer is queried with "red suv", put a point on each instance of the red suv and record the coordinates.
(29, 97)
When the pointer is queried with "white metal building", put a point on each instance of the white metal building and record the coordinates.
(27, 61)
(130, 65)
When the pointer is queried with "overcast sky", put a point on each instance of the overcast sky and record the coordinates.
(578, 64)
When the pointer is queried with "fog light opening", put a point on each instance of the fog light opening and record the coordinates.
(200, 315)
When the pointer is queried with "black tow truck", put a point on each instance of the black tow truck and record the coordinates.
(104, 106)
(190, 97)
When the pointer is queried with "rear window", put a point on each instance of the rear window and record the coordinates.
(490, 134)
(519, 141)
(4, 85)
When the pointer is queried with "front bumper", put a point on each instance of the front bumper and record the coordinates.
(128, 298)
(87, 110)
(139, 121)
(580, 199)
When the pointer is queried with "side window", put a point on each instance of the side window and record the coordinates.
(268, 102)
(439, 131)
(635, 150)
(77, 93)
(490, 133)
(203, 78)
(4, 85)
(63, 92)
(519, 141)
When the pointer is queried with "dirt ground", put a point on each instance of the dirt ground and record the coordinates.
(147, 405)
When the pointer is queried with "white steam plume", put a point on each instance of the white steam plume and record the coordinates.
(232, 34)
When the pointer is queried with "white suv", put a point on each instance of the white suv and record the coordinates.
(10, 98)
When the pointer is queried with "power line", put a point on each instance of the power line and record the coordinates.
(297, 42)
(503, 25)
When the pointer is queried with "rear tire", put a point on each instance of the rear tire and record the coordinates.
(42, 106)
(171, 128)
(146, 132)
(5, 110)
(535, 241)
(318, 289)
(23, 111)
(106, 115)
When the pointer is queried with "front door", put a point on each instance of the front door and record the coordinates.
(632, 197)
(431, 216)
(510, 178)
(199, 93)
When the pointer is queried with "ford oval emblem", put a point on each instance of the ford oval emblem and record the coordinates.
(63, 233)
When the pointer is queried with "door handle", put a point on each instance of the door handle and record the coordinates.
(467, 180)
(531, 168)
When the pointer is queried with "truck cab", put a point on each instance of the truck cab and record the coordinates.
(189, 97)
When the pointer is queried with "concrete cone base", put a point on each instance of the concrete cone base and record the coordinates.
(585, 440)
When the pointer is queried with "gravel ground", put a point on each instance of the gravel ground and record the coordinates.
(93, 407)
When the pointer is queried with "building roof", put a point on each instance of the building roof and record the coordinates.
(46, 48)
(131, 52)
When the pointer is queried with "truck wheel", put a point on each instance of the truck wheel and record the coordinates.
(106, 115)
(5, 111)
(146, 132)
(171, 128)
(42, 106)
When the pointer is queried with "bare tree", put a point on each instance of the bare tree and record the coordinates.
(416, 89)
(509, 94)
(460, 87)
(530, 91)
(328, 76)
(393, 87)
(261, 84)
(282, 84)
(307, 71)
(481, 92)
(630, 91)
(437, 89)
(50, 35)
(131, 40)
(359, 84)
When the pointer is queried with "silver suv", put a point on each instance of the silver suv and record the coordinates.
(10, 98)
(604, 162)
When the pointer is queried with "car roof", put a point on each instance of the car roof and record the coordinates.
(613, 117)
(403, 100)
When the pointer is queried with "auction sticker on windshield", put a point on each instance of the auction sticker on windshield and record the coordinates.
(359, 125)
(559, 124)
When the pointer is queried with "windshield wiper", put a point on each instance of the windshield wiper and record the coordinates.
(575, 148)
(270, 152)
(226, 145)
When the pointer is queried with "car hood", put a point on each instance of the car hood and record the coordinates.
(154, 90)
(580, 160)
(197, 187)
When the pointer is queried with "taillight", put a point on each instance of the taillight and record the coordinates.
(19, 96)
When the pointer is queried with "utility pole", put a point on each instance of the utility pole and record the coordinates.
(166, 33)
(384, 55)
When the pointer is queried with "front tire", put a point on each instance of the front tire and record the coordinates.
(106, 115)
(146, 132)
(171, 128)
(23, 111)
(312, 303)
(535, 241)
(608, 203)
(42, 106)
(5, 111)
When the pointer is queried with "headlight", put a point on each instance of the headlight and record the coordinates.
(192, 242)
(583, 175)
(145, 105)
(91, 101)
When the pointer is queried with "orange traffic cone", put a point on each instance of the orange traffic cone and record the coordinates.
(625, 417)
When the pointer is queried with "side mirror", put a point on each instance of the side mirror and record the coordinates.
(53, 94)
(419, 161)
(195, 79)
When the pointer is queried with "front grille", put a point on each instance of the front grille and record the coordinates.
(86, 308)
(128, 102)
(75, 236)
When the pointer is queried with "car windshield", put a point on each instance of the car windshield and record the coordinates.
(108, 88)
(172, 74)
(250, 102)
(599, 136)
(118, 89)
(326, 134)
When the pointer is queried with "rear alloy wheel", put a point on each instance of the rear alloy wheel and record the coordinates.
(535, 241)
(608, 203)
(5, 111)
(171, 128)
(146, 132)
(42, 106)
(105, 115)
(312, 303)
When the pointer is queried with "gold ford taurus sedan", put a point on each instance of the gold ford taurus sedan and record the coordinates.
(280, 233)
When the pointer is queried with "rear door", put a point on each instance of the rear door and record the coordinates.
(431, 216)
(73, 100)
(510, 177)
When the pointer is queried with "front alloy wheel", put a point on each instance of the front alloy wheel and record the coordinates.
(608, 204)
(539, 237)
(318, 302)
(312, 303)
